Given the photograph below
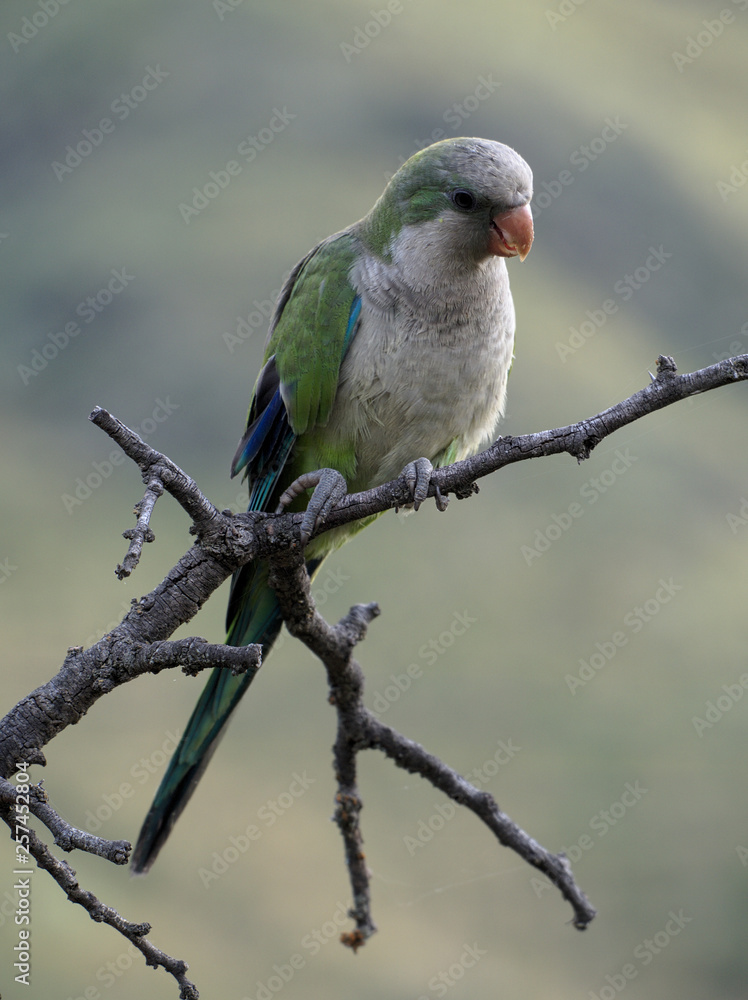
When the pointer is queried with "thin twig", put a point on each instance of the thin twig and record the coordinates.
(160, 474)
(413, 758)
(70, 838)
(359, 729)
(142, 532)
(194, 655)
(65, 877)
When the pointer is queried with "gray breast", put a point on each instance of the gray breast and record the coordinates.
(427, 368)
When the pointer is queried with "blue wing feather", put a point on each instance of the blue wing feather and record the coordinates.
(352, 328)
(255, 441)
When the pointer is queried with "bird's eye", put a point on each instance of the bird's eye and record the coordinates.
(464, 200)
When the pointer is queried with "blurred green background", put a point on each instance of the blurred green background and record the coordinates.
(646, 137)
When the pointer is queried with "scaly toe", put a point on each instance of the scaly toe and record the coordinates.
(329, 489)
(418, 477)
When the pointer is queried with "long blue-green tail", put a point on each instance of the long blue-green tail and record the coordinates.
(258, 621)
(253, 616)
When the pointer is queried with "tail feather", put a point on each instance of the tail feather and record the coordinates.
(254, 616)
(207, 725)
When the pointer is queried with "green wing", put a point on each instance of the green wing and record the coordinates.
(315, 322)
(316, 318)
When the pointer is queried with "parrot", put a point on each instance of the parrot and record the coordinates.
(388, 355)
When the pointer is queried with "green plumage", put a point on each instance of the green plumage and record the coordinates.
(391, 342)
(308, 337)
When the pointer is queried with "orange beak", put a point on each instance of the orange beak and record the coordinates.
(512, 233)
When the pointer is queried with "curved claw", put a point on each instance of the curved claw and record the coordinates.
(418, 477)
(329, 489)
(439, 498)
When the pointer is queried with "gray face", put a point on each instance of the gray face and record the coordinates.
(469, 195)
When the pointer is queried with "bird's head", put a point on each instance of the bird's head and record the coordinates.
(474, 195)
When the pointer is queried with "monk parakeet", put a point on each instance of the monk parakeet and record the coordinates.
(388, 355)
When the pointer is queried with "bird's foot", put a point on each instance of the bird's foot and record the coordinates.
(329, 489)
(418, 477)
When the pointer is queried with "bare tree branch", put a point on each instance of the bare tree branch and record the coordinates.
(64, 876)
(68, 837)
(577, 440)
(86, 675)
(224, 543)
(155, 466)
(359, 729)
